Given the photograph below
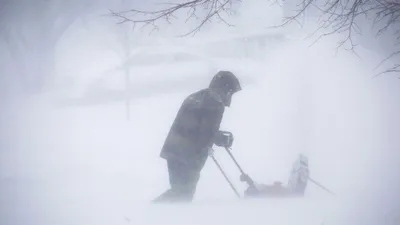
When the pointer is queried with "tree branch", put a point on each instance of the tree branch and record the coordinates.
(214, 9)
(341, 16)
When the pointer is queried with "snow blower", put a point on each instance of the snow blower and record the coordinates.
(298, 179)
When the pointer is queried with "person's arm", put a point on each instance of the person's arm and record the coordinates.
(209, 124)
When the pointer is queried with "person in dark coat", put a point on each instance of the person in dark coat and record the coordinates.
(192, 135)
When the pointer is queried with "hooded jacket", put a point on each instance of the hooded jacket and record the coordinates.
(193, 130)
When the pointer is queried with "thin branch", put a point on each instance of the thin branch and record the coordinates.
(388, 58)
(214, 9)
(340, 16)
(336, 16)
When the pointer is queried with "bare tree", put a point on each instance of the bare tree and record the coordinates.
(344, 17)
(334, 17)
(118, 38)
(210, 10)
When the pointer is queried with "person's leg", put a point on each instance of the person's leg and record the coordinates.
(170, 194)
(183, 180)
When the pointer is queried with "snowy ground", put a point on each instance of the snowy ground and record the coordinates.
(88, 165)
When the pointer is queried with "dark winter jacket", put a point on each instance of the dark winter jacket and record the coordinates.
(194, 127)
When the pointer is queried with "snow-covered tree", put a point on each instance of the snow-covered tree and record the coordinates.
(31, 31)
(120, 38)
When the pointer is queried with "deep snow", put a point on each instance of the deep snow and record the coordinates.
(89, 165)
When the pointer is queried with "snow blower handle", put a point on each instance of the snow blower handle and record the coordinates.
(243, 177)
(225, 176)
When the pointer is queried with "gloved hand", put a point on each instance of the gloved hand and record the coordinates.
(223, 139)
(246, 178)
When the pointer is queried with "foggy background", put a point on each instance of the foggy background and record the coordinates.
(86, 105)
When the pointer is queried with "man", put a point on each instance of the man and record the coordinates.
(194, 131)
